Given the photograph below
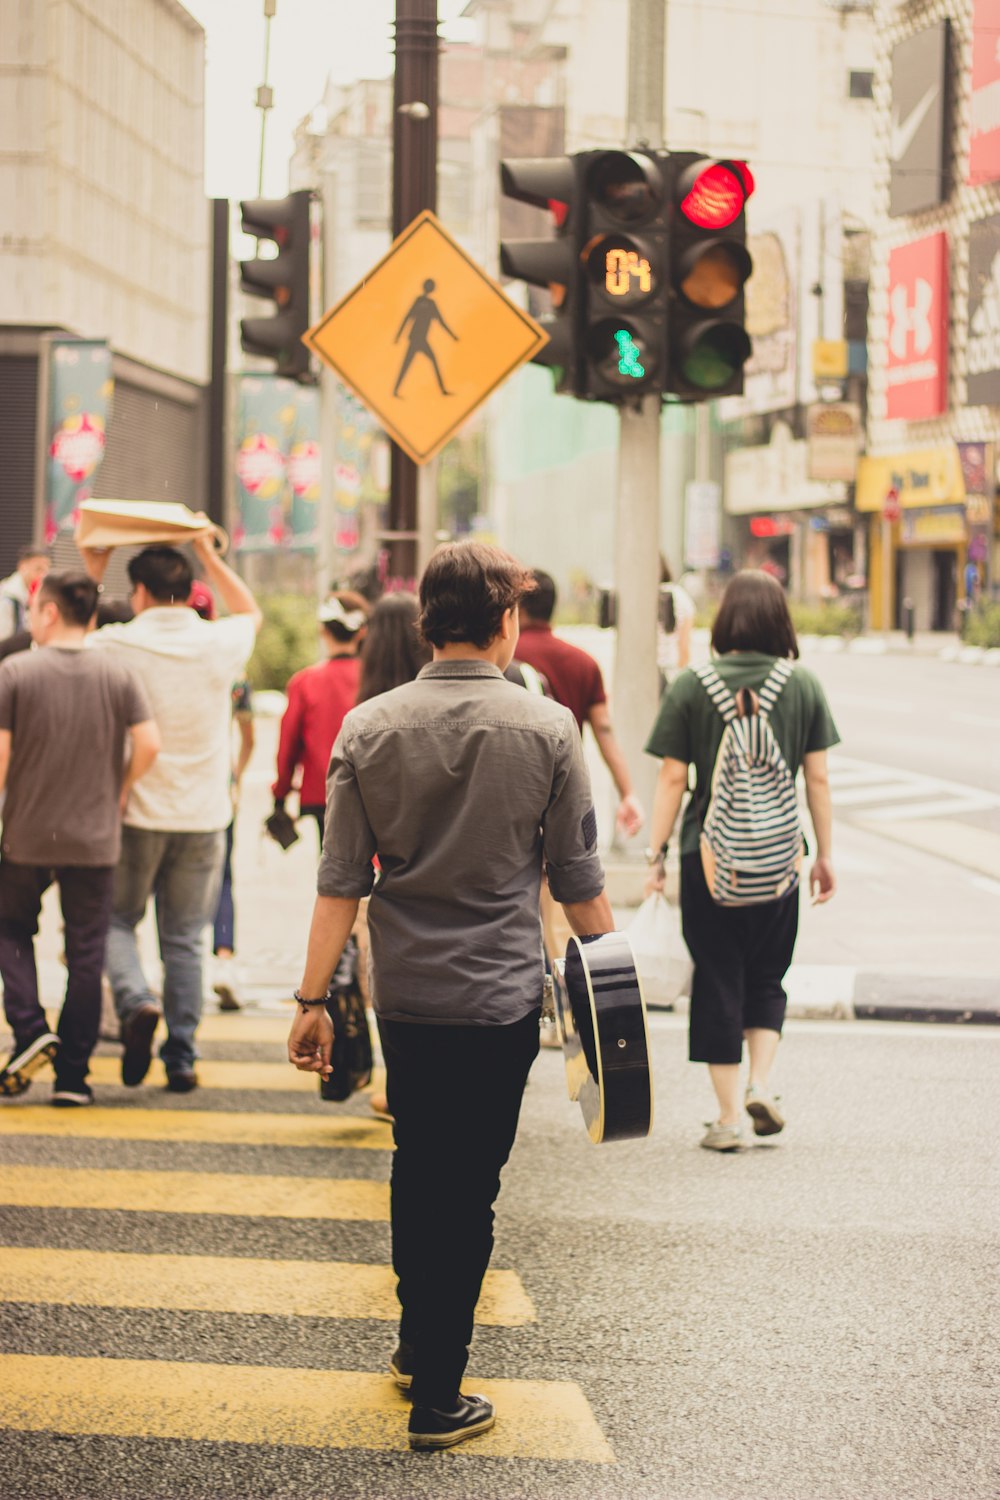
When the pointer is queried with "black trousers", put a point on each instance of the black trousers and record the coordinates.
(455, 1094)
(85, 898)
(741, 955)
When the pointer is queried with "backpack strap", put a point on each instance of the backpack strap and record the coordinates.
(722, 698)
(773, 684)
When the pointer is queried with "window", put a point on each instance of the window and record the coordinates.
(859, 85)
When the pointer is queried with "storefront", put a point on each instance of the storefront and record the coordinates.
(800, 529)
(919, 536)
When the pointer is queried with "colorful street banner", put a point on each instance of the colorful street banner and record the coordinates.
(352, 472)
(276, 465)
(80, 388)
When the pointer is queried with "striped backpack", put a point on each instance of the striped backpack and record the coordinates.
(751, 839)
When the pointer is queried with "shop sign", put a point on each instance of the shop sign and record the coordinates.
(916, 136)
(983, 351)
(984, 111)
(770, 374)
(927, 476)
(830, 359)
(833, 433)
(775, 477)
(977, 472)
(917, 365)
(942, 526)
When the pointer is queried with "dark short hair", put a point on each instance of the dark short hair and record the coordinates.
(164, 573)
(753, 616)
(73, 593)
(465, 591)
(35, 550)
(540, 599)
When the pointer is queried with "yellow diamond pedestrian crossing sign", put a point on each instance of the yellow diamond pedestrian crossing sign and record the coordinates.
(425, 338)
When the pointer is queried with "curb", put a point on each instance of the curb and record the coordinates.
(828, 992)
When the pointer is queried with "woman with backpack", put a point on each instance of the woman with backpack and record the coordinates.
(746, 723)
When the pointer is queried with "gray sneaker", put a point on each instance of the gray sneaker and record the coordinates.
(765, 1111)
(723, 1137)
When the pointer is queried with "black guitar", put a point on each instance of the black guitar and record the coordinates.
(602, 1018)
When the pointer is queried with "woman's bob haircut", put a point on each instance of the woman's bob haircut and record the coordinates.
(753, 616)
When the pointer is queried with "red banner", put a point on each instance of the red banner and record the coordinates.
(918, 329)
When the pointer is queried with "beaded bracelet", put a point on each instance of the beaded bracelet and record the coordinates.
(305, 1004)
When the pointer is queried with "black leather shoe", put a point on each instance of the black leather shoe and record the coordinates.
(401, 1366)
(182, 1080)
(431, 1428)
(138, 1030)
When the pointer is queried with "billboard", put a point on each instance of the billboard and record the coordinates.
(916, 141)
(917, 364)
(983, 344)
(984, 106)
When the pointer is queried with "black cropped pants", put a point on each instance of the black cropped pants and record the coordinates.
(741, 955)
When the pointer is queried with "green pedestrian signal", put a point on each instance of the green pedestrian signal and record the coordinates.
(628, 355)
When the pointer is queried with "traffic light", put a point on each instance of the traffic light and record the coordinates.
(284, 279)
(623, 260)
(549, 182)
(707, 342)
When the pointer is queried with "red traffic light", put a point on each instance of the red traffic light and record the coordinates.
(713, 196)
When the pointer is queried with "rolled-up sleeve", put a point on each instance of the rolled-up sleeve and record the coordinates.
(569, 831)
(345, 868)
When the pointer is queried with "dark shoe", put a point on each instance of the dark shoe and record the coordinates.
(431, 1428)
(25, 1061)
(401, 1366)
(182, 1080)
(138, 1030)
(72, 1094)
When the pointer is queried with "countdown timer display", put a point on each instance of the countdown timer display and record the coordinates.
(619, 268)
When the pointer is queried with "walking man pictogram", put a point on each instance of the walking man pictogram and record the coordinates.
(422, 316)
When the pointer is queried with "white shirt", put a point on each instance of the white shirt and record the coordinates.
(187, 666)
(667, 645)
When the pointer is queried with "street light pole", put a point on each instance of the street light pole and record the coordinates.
(265, 94)
(414, 188)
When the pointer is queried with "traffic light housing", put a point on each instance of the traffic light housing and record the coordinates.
(707, 340)
(624, 262)
(550, 183)
(284, 279)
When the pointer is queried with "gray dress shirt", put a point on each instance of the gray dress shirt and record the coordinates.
(462, 783)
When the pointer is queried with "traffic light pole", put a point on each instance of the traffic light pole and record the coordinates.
(637, 543)
(414, 188)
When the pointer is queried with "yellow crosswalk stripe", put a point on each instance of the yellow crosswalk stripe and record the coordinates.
(206, 1127)
(231, 1284)
(298, 1408)
(261, 1197)
(218, 1075)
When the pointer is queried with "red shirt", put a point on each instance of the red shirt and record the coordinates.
(318, 699)
(574, 677)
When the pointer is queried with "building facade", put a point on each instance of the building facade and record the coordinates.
(104, 234)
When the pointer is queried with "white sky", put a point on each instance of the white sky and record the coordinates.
(311, 40)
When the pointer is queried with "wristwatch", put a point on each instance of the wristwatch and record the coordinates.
(655, 856)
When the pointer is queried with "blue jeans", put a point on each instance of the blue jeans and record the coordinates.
(182, 872)
(224, 935)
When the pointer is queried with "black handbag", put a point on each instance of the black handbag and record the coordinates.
(351, 1052)
(280, 826)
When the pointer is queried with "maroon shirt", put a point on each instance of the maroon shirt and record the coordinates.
(574, 677)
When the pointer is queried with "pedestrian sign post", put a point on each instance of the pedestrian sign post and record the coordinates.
(425, 338)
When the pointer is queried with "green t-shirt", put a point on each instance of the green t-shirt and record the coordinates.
(690, 729)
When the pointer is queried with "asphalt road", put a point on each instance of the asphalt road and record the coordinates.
(815, 1319)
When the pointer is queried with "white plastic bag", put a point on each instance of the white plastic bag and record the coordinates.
(661, 957)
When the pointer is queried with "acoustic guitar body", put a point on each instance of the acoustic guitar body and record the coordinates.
(602, 1018)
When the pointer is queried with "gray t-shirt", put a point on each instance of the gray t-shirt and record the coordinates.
(68, 712)
(463, 784)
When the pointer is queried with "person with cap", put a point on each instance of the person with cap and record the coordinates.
(318, 699)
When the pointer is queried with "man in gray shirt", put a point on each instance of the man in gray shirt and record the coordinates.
(463, 785)
(66, 718)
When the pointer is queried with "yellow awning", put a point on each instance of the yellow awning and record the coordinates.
(927, 476)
